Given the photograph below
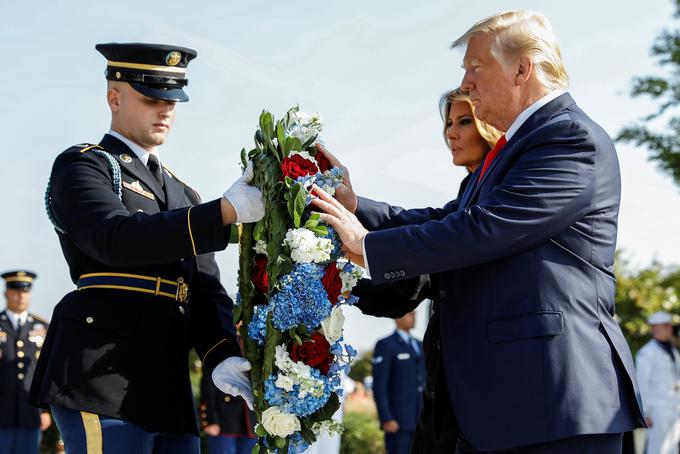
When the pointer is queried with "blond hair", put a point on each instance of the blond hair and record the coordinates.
(523, 33)
(488, 132)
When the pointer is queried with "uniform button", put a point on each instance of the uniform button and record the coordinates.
(140, 211)
(203, 415)
(386, 275)
(402, 273)
(20, 354)
(20, 376)
(20, 365)
(227, 399)
(20, 344)
(89, 320)
(181, 310)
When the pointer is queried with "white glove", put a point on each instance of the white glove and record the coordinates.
(230, 377)
(245, 198)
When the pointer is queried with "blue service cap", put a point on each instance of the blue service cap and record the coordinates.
(155, 70)
(19, 279)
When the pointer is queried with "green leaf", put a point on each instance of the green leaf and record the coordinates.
(308, 142)
(237, 313)
(244, 159)
(297, 204)
(307, 433)
(280, 134)
(260, 431)
(327, 411)
(280, 442)
(319, 230)
(258, 231)
(256, 449)
(259, 137)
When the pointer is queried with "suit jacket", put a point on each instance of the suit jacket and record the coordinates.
(19, 352)
(398, 381)
(531, 350)
(121, 353)
(231, 413)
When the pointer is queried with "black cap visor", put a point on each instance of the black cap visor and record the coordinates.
(175, 94)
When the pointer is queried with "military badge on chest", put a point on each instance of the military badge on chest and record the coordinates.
(37, 334)
(3, 336)
(136, 187)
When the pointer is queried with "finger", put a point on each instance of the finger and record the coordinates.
(330, 220)
(328, 208)
(330, 156)
(323, 195)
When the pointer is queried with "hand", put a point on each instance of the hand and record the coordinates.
(344, 194)
(45, 421)
(231, 378)
(245, 198)
(213, 430)
(390, 427)
(649, 422)
(347, 226)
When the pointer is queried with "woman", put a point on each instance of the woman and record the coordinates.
(469, 141)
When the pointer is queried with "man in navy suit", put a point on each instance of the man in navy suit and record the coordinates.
(532, 356)
(398, 381)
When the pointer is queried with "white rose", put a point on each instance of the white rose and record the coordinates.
(332, 326)
(278, 423)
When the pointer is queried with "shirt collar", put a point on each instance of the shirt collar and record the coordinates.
(529, 111)
(404, 335)
(16, 318)
(141, 153)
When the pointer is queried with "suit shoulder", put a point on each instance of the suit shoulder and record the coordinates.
(193, 195)
(39, 319)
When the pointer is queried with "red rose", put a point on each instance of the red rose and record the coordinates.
(332, 282)
(322, 161)
(260, 277)
(314, 353)
(296, 166)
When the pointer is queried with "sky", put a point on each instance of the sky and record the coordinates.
(373, 70)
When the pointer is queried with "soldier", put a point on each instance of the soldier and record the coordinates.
(139, 244)
(226, 420)
(398, 382)
(21, 337)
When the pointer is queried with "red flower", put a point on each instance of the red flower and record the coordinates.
(260, 277)
(314, 353)
(296, 166)
(322, 161)
(332, 282)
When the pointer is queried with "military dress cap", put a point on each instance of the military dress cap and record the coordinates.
(19, 279)
(660, 318)
(155, 70)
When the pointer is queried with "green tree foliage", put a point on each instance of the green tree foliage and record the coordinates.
(361, 367)
(361, 435)
(664, 89)
(640, 293)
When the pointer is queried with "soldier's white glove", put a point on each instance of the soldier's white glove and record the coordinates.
(231, 378)
(245, 198)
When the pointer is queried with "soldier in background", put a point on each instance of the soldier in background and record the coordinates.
(21, 337)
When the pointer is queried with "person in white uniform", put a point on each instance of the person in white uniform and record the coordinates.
(658, 369)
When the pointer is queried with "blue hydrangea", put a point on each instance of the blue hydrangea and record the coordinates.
(336, 253)
(302, 299)
(290, 402)
(257, 328)
(297, 443)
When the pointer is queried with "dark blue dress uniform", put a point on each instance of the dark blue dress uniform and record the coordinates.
(398, 382)
(148, 289)
(236, 420)
(19, 351)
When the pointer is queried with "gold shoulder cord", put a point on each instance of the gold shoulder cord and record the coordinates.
(93, 433)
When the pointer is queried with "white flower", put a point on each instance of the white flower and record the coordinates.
(332, 326)
(331, 427)
(278, 423)
(282, 360)
(284, 382)
(349, 278)
(306, 247)
(260, 247)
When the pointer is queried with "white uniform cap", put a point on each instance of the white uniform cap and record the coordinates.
(658, 318)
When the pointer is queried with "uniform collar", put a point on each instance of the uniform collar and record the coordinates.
(404, 335)
(141, 153)
(16, 319)
(529, 111)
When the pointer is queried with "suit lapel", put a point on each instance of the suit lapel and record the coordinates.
(5, 323)
(130, 163)
(539, 118)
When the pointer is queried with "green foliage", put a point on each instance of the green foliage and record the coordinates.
(640, 293)
(362, 367)
(664, 147)
(362, 435)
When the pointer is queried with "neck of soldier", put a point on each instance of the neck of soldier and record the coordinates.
(123, 132)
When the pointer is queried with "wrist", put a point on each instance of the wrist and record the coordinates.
(228, 212)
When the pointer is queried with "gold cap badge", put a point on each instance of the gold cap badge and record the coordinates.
(173, 58)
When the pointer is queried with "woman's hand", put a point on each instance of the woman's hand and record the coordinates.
(344, 194)
(347, 226)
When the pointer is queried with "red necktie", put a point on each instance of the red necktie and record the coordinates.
(492, 155)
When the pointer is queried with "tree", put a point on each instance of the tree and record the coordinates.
(362, 367)
(664, 146)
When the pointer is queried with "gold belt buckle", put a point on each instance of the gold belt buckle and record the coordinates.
(182, 290)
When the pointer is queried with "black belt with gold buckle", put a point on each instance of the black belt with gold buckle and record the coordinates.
(177, 290)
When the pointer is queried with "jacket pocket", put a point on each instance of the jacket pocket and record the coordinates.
(525, 326)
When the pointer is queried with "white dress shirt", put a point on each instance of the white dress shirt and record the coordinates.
(141, 153)
(409, 340)
(17, 319)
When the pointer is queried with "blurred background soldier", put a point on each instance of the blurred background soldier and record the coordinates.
(21, 338)
(658, 369)
(398, 381)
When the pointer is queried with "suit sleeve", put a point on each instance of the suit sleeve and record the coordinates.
(97, 221)
(379, 215)
(208, 408)
(382, 364)
(645, 367)
(549, 187)
(392, 300)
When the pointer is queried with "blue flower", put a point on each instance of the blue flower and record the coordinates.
(291, 402)
(336, 253)
(302, 299)
(257, 328)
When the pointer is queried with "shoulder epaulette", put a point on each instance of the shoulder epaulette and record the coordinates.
(114, 170)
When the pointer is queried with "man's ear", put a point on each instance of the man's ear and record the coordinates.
(524, 69)
(113, 95)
